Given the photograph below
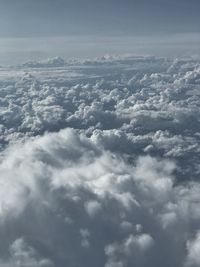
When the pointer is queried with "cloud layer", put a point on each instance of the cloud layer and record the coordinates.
(130, 105)
(121, 188)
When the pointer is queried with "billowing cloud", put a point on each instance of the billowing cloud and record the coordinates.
(66, 201)
(119, 189)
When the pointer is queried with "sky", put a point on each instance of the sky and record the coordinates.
(99, 159)
(25, 18)
(45, 28)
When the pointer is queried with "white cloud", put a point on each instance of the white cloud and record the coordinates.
(111, 192)
(193, 247)
(132, 249)
(71, 196)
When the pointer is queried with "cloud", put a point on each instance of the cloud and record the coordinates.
(51, 62)
(121, 187)
(24, 255)
(69, 202)
(193, 247)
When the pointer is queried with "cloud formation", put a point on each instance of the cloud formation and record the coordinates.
(119, 189)
(143, 104)
(66, 201)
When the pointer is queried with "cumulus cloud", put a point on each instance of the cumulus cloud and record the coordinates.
(193, 246)
(130, 250)
(24, 255)
(66, 201)
(119, 189)
(146, 104)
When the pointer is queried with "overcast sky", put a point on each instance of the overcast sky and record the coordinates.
(97, 17)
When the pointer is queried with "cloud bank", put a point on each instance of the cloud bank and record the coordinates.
(143, 104)
(99, 163)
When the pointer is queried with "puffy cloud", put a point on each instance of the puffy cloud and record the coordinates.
(193, 246)
(121, 188)
(24, 255)
(130, 250)
(64, 201)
